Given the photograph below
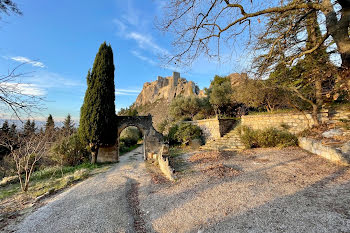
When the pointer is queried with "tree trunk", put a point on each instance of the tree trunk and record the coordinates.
(314, 115)
(318, 93)
(94, 152)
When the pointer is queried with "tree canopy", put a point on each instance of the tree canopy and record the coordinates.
(97, 115)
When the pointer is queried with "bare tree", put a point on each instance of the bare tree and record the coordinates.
(8, 6)
(201, 26)
(15, 95)
(27, 152)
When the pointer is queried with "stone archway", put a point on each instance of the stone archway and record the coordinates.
(152, 139)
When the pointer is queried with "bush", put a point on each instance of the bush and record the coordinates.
(183, 133)
(69, 151)
(130, 136)
(269, 137)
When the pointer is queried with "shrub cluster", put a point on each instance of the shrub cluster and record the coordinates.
(69, 151)
(129, 138)
(269, 137)
(183, 133)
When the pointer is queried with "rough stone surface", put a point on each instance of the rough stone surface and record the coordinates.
(166, 88)
(333, 132)
(328, 152)
(214, 128)
(293, 122)
(152, 139)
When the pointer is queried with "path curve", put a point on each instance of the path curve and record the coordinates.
(98, 204)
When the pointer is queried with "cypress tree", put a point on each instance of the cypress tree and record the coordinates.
(97, 114)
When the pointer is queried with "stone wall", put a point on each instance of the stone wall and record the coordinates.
(336, 155)
(214, 128)
(294, 122)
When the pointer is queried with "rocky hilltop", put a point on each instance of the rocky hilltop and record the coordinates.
(156, 96)
(166, 88)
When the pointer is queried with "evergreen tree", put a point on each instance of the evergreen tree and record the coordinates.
(32, 127)
(5, 127)
(27, 128)
(13, 130)
(50, 124)
(97, 115)
(68, 125)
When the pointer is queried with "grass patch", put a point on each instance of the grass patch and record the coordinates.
(52, 179)
(124, 150)
(277, 111)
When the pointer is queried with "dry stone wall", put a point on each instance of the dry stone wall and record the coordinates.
(214, 128)
(294, 122)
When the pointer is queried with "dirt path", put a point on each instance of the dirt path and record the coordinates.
(261, 190)
(107, 202)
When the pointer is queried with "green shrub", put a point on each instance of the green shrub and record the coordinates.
(130, 136)
(69, 151)
(183, 133)
(269, 137)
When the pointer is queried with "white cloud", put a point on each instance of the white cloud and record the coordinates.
(24, 88)
(121, 26)
(124, 93)
(146, 42)
(27, 60)
(47, 79)
(144, 58)
(128, 90)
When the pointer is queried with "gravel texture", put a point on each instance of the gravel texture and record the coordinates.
(99, 204)
(264, 190)
(276, 190)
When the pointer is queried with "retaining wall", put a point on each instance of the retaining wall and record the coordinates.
(294, 122)
(214, 128)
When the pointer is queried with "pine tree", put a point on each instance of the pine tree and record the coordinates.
(97, 115)
(68, 125)
(5, 127)
(13, 130)
(50, 124)
(32, 127)
(27, 128)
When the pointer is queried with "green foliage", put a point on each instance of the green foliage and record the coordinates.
(5, 127)
(269, 137)
(183, 133)
(50, 124)
(162, 125)
(69, 151)
(68, 125)
(130, 111)
(130, 136)
(128, 139)
(97, 115)
(29, 128)
(185, 107)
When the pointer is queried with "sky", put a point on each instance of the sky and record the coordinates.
(59, 41)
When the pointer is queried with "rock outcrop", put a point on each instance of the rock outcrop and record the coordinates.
(166, 89)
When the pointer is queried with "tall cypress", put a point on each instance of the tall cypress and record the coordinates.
(97, 115)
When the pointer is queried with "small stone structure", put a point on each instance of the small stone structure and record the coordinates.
(334, 154)
(293, 122)
(214, 128)
(152, 139)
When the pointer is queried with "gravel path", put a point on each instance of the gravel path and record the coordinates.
(287, 190)
(264, 190)
(99, 204)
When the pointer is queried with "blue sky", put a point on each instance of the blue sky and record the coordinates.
(59, 40)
